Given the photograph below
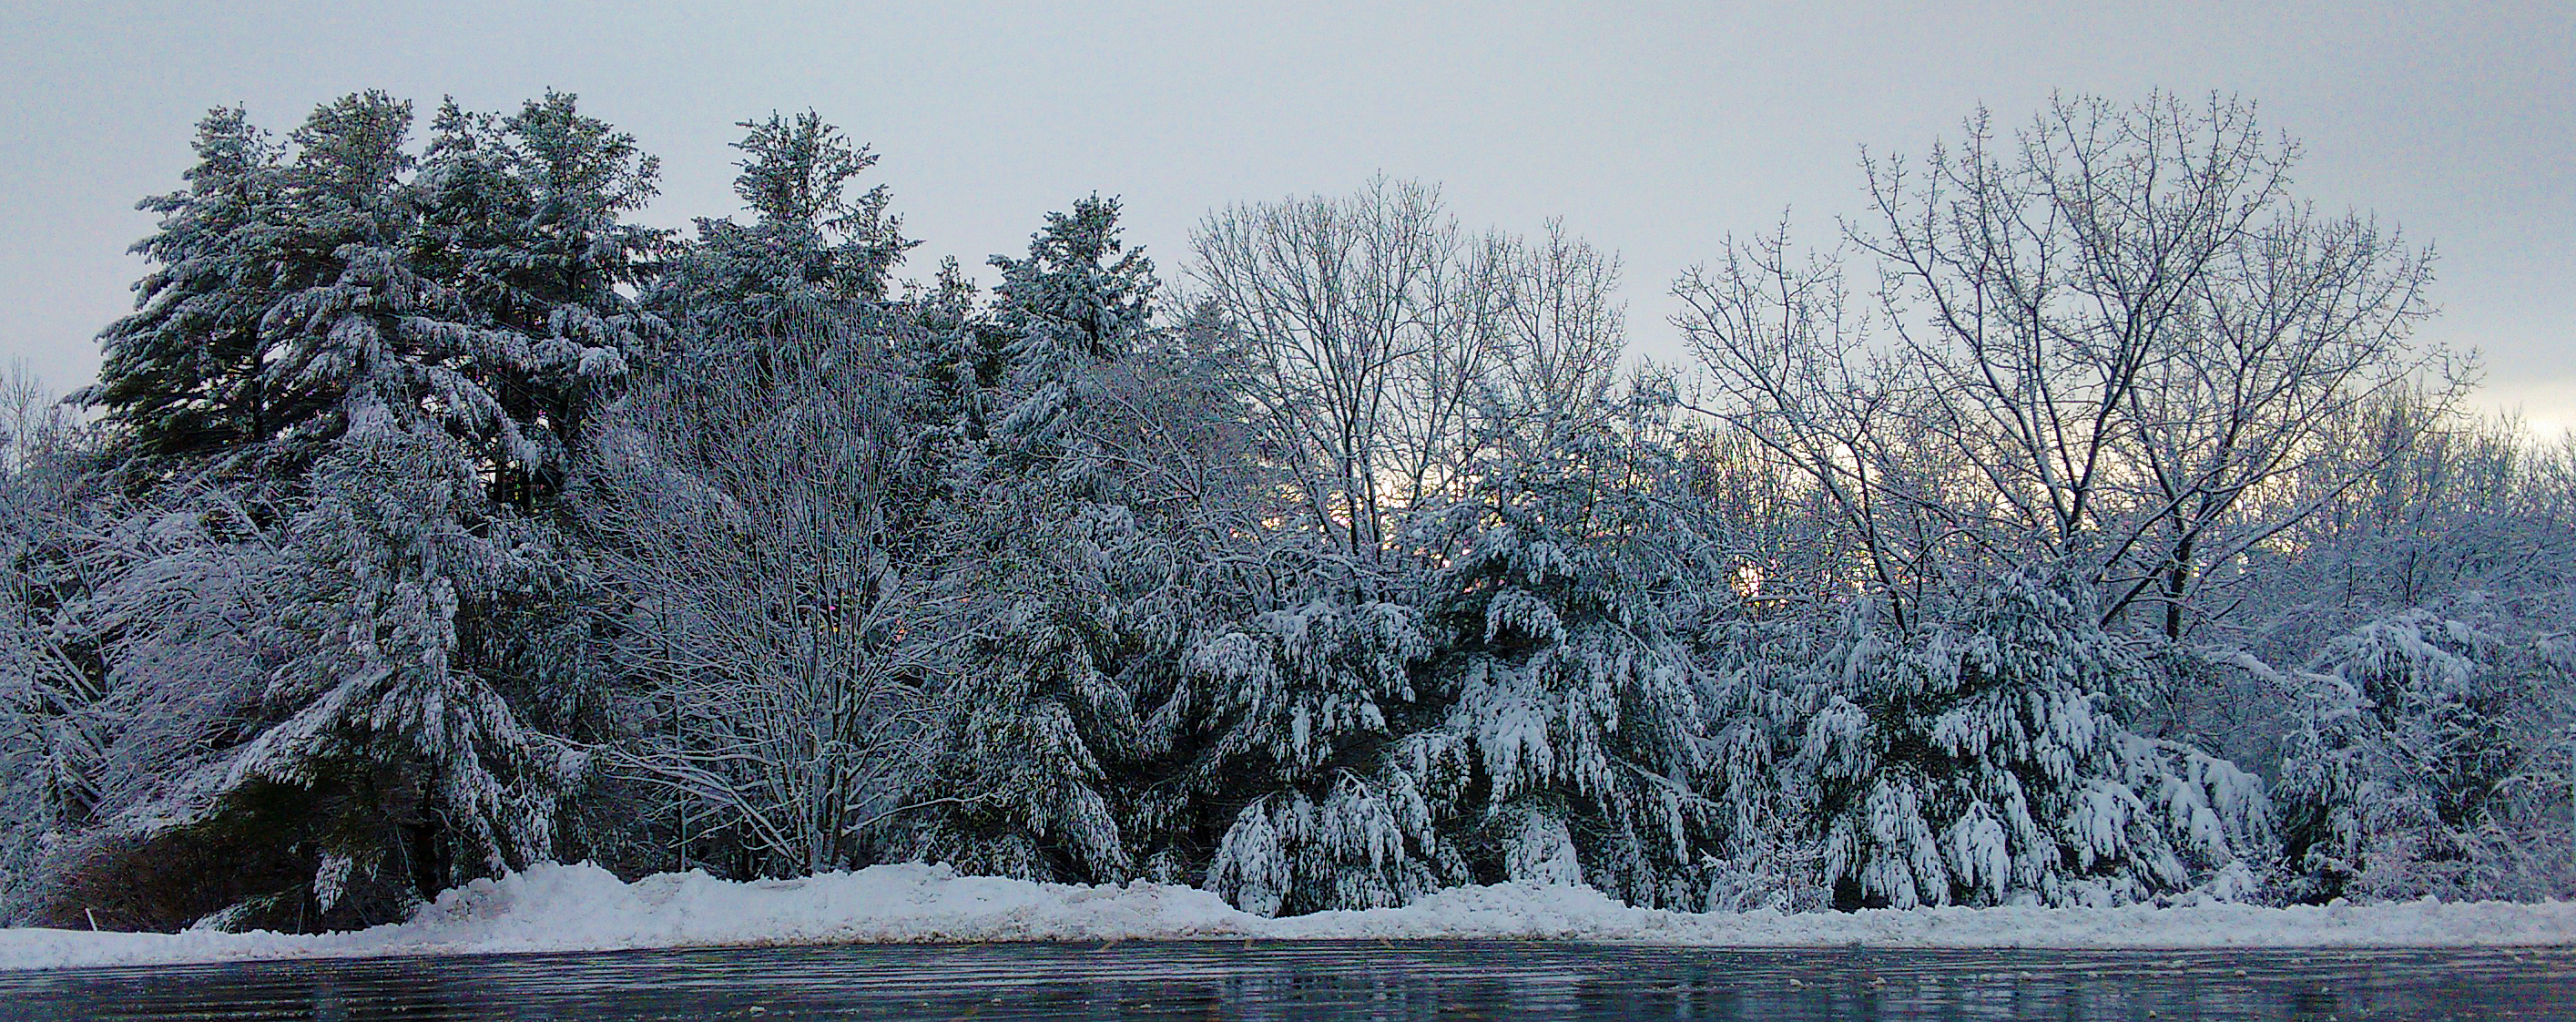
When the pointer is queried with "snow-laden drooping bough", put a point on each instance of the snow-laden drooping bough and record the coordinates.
(2423, 760)
(1984, 760)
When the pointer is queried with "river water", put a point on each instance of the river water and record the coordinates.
(1325, 980)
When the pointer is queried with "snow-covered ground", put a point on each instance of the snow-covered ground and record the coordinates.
(584, 908)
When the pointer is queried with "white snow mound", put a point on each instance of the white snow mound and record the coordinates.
(585, 908)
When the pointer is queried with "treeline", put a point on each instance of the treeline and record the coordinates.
(2110, 540)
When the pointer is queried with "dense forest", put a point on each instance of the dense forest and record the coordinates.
(2083, 524)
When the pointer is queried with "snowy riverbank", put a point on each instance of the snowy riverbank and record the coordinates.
(583, 908)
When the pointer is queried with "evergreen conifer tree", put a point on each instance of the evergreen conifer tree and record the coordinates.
(521, 219)
(1046, 549)
(184, 375)
(2412, 756)
(811, 245)
(1987, 761)
(427, 338)
(1308, 713)
(1567, 669)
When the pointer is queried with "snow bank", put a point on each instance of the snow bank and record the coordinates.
(584, 908)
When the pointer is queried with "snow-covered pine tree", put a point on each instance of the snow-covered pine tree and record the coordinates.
(1080, 294)
(362, 331)
(1762, 689)
(386, 750)
(1984, 760)
(1046, 554)
(383, 743)
(521, 219)
(810, 246)
(183, 376)
(392, 749)
(2424, 759)
(1079, 300)
(1566, 668)
(959, 362)
(1306, 711)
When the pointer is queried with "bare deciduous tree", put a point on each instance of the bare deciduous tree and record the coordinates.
(779, 650)
(1392, 346)
(2108, 338)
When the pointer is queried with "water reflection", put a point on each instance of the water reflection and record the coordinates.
(1283, 981)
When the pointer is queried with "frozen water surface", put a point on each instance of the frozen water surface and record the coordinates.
(1325, 980)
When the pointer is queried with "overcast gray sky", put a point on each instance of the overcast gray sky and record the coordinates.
(1654, 130)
